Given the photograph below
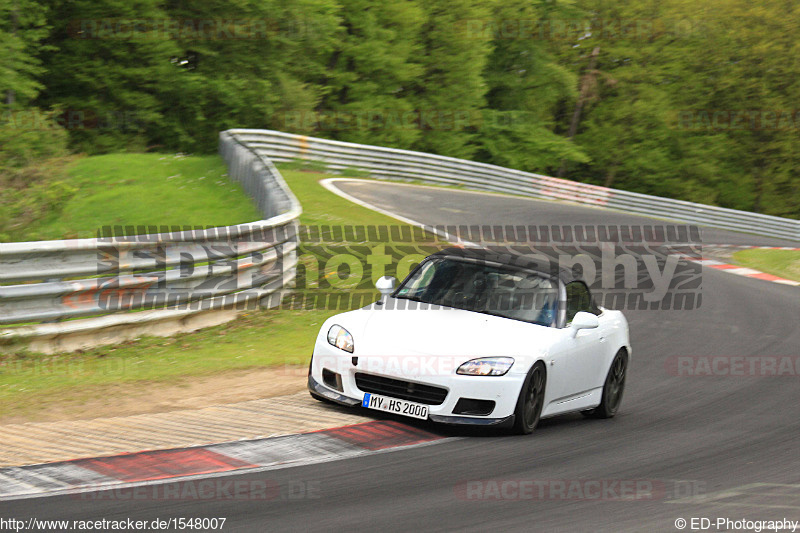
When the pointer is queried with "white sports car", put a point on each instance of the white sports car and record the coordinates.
(476, 337)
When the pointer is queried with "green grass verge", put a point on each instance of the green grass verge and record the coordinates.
(33, 382)
(146, 189)
(323, 207)
(783, 263)
(29, 383)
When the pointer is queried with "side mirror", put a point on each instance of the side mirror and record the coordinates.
(386, 286)
(584, 320)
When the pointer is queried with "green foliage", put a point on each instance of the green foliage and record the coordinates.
(783, 263)
(22, 28)
(257, 76)
(145, 190)
(41, 382)
(305, 165)
(30, 135)
(352, 172)
(108, 82)
(33, 164)
(648, 125)
(503, 81)
(526, 86)
(451, 88)
(375, 60)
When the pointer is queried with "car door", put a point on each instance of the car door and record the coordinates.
(581, 359)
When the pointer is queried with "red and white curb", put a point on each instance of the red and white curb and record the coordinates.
(742, 271)
(751, 247)
(161, 466)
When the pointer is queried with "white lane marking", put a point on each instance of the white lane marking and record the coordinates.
(746, 272)
(743, 271)
(329, 185)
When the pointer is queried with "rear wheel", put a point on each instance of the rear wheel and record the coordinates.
(613, 388)
(531, 400)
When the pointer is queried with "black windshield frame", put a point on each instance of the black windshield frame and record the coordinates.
(486, 287)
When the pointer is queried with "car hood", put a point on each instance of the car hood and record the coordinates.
(454, 333)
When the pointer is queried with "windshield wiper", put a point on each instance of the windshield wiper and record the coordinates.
(411, 298)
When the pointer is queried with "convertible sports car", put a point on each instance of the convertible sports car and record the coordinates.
(475, 336)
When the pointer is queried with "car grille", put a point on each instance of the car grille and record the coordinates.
(398, 388)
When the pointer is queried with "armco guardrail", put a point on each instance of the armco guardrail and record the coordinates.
(178, 273)
(173, 273)
(389, 163)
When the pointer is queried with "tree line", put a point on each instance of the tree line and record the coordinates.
(691, 99)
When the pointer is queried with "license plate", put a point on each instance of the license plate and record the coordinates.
(393, 405)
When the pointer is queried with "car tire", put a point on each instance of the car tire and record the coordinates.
(531, 400)
(613, 388)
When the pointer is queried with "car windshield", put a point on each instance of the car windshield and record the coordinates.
(484, 288)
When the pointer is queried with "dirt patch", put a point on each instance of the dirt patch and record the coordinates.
(140, 398)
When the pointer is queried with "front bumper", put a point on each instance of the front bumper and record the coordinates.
(503, 391)
(505, 422)
(321, 392)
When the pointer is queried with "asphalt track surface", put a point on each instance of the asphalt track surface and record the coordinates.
(733, 441)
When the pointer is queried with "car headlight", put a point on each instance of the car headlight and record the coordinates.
(486, 366)
(341, 338)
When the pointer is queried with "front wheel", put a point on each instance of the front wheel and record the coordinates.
(530, 401)
(612, 389)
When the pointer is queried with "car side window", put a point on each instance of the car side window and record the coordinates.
(579, 299)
